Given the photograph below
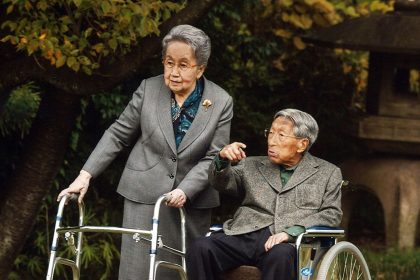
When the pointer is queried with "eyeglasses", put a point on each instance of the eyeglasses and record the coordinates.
(183, 66)
(270, 134)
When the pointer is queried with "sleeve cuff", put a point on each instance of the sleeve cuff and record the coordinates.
(220, 163)
(294, 232)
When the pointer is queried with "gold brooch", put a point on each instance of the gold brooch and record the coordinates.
(206, 103)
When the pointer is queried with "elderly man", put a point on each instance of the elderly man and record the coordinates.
(281, 195)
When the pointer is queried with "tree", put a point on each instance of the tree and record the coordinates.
(68, 64)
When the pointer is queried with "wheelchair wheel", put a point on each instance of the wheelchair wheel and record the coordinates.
(343, 261)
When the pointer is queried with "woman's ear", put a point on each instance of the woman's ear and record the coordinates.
(200, 71)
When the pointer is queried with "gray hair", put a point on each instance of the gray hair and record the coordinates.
(304, 125)
(194, 37)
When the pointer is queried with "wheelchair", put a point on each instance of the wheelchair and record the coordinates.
(74, 241)
(319, 255)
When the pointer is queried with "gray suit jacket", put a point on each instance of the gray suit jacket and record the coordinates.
(154, 165)
(311, 197)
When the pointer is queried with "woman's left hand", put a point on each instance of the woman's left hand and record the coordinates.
(176, 198)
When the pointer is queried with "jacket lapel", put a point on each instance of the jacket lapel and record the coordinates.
(164, 116)
(271, 173)
(306, 168)
(201, 118)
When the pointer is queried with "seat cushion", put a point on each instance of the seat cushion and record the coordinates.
(244, 272)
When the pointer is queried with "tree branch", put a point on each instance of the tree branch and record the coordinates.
(111, 74)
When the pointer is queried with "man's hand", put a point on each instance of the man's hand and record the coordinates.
(233, 152)
(275, 239)
(176, 198)
(80, 185)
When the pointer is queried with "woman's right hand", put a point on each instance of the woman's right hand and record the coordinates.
(80, 185)
(233, 151)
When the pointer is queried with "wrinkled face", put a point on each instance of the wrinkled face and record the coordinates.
(283, 147)
(180, 68)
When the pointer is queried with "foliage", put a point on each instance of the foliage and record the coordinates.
(415, 82)
(291, 19)
(246, 64)
(393, 264)
(110, 105)
(100, 251)
(355, 64)
(80, 33)
(20, 110)
(266, 77)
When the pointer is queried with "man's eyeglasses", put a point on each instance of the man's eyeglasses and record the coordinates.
(270, 134)
(183, 66)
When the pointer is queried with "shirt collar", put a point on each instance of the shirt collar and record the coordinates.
(292, 168)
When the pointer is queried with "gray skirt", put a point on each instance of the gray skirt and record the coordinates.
(134, 262)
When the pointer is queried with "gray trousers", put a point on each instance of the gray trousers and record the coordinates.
(134, 263)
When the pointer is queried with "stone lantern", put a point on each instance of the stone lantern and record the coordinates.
(391, 125)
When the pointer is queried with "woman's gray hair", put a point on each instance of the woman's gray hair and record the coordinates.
(304, 125)
(194, 37)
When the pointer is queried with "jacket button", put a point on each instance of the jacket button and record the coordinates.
(171, 176)
(173, 159)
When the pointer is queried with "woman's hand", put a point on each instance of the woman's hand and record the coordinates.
(176, 198)
(80, 185)
(276, 239)
(233, 152)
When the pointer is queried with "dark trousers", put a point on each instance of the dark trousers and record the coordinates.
(209, 257)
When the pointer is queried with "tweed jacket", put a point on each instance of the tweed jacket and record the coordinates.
(155, 166)
(311, 197)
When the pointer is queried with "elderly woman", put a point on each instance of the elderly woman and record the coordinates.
(177, 122)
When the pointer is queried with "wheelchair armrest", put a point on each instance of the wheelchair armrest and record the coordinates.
(324, 231)
(320, 231)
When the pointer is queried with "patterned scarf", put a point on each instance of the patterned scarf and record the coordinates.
(182, 117)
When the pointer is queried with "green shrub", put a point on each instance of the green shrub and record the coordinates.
(393, 264)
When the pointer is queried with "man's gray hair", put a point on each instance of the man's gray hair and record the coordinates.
(194, 37)
(304, 125)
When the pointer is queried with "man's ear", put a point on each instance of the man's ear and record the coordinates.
(303, 145)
